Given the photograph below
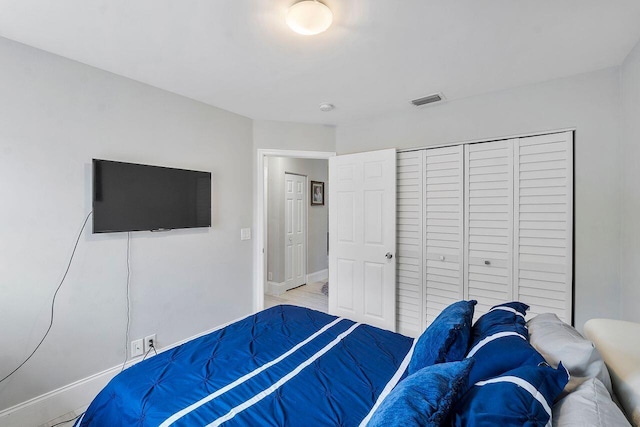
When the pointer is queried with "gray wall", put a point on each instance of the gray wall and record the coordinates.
(588, 102)
(315, 170)
(630, 153)
(55, 116)
(293, 136)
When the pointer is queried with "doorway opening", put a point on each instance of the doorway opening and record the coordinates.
(292, 229)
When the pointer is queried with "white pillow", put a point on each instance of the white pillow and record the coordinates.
(588, 405)
(559, 342)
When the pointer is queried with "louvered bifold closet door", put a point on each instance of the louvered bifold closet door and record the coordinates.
(444, 228)
(544, 223)
(489, 223)
(409, 223)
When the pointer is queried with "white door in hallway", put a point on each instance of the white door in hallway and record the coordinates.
(295, 230)
(362, 237)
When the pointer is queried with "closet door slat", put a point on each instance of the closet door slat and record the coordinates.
(489, 223)
(543, 214)
(443, 229)
(409, 241)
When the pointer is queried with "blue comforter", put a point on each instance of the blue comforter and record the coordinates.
(285, 366)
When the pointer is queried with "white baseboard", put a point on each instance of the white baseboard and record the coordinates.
(275, 288)
(318, 276)
(53, 404)
(70, 397)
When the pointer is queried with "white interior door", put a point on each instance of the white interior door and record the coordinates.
(362, 237)
(295, 227)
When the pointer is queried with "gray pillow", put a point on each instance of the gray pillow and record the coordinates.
(589, 405)
(559, 342)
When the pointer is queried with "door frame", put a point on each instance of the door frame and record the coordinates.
(261, 243)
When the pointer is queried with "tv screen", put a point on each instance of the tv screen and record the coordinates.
(133, 197)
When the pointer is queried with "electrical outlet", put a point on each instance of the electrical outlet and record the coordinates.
(270, 276)
(137, 348)
(149, 341)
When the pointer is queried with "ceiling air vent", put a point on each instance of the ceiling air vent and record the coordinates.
(436, 97)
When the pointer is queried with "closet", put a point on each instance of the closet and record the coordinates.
(490, 221)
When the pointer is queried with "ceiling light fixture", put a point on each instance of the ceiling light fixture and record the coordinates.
(309, 17)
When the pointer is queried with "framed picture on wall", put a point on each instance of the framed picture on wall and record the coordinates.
(317, 193)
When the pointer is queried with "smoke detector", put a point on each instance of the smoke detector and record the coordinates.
(429, 99)
(325, 106)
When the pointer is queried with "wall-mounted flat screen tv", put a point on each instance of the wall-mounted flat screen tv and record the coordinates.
(134, 197)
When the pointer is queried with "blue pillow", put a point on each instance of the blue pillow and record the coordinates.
(521, 397)
(446, 339)
(501, 353)
(501, 318)
(500, 342)
(424, 398)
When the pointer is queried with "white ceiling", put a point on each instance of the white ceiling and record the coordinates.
(379, 54)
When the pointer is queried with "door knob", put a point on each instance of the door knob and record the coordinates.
(388, 255)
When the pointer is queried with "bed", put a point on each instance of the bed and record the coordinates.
(275, 367)
(293, 366)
